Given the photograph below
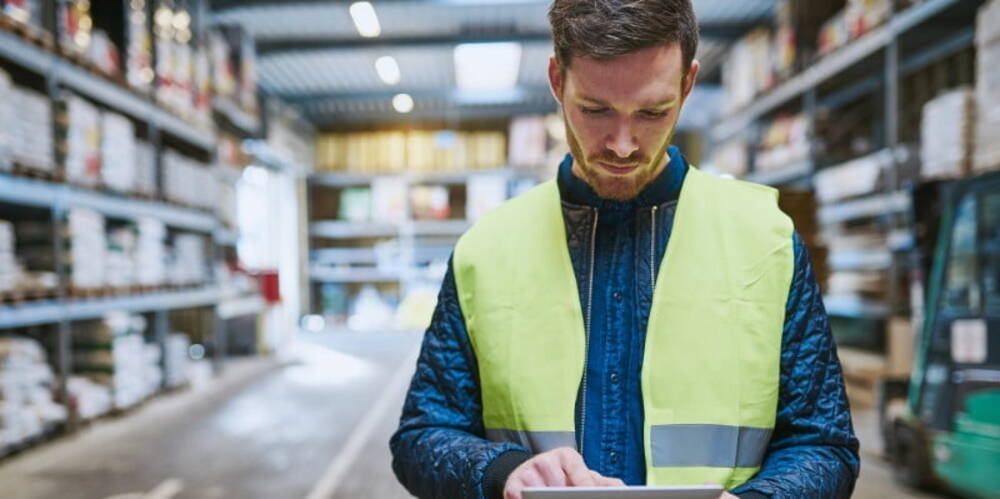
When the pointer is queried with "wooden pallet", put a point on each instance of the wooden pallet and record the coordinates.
(33, 34)
(26, 295)
(25, 169)
(90, 293)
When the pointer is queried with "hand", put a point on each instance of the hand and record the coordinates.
(727, 495)
(562, 467)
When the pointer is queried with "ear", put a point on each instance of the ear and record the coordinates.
(692, 76)
(555, 80)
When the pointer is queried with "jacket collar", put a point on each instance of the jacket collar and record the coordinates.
(666, 187)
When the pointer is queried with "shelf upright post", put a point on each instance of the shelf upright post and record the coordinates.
(161, 329)
(64, 331)
(810, 104)
(891, 136)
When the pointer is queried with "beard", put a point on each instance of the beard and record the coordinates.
(616, 187)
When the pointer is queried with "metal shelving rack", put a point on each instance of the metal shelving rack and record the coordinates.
(59, 73)
(911, 40)
(324, 261)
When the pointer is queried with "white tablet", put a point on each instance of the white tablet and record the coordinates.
(692, 492)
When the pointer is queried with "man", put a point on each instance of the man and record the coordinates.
(635, 321)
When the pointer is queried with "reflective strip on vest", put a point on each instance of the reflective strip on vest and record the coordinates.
(535, 441)
(709, 445)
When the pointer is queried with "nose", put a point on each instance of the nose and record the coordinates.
(622, 142)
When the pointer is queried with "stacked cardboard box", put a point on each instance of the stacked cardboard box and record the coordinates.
(9, 271)
(30, 136)
(90, 399)
(150, 253)
(139, 48)
(6, 116)
(987, 142)
(946, 135)
(88, 248)
(27, 407)
(189, 182)
(188, 264)
(120, 266)
(118, 157)
(731, 158)
(785, 142)
(113, 353)
(83, 142)
(413, 151)
(176, 359)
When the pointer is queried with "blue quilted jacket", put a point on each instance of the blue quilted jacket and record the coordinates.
(439, 450)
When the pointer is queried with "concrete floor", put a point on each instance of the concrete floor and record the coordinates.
(315, 428)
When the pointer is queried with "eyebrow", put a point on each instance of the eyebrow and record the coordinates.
(670, 102)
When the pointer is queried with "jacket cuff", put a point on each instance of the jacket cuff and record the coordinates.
(753, 494)
(495, 476)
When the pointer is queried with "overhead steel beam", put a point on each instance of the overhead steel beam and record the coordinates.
(266, 47)
(516, 94)
(222, 5)
(272, 46)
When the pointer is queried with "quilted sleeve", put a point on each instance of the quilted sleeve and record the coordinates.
(813, 452)
(439, 450)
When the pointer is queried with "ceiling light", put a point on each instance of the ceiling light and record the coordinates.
(387, 69)
(402, 103)
(363, 14)
(487, 66)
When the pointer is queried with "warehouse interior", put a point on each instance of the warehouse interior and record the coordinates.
(224, 224)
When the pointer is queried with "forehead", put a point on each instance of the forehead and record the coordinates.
(649, 75)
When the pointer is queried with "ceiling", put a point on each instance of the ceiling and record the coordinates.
(311, 55)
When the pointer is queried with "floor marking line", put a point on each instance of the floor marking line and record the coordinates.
(166, 490)
(328, 483)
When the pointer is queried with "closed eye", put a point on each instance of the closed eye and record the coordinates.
(653, 115)
(593, 110)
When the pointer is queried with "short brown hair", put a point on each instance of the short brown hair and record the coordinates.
(609, 28)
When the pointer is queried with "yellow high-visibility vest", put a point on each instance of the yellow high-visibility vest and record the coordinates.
(713, 342)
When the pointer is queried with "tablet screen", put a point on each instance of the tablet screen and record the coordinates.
(693, 492)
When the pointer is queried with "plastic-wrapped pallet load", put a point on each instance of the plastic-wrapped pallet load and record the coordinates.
(176, 360)
(987, 143)
(8, 264)
(90, 399)
(946, 135)
(83, 142)
(150, 253)
(145, 169)
(6, 116)
(31, 134)
(188, 182)
(27, 407)
(139, 48)
(88, 248)
(120, 266)
(188, 265)
(112, 352)
(118, 158)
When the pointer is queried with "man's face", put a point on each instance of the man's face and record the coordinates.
(620, 115)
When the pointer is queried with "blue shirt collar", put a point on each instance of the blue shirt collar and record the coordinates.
(664, 188)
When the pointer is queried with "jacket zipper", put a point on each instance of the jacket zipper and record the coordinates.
(586, 351)
(652, 250)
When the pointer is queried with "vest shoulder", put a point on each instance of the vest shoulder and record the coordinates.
(513, 215)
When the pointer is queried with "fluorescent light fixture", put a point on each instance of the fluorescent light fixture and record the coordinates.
(363, 14)
(387, 69)
(487, 66)
(402, 103)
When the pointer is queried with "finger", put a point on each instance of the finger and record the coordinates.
(513, 489)
(606, 481)
(577, 473)
(531, 478)
(551, 472)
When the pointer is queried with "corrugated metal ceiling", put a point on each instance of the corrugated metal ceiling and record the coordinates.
(334, 78)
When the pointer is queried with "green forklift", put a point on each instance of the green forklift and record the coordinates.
(942, 425)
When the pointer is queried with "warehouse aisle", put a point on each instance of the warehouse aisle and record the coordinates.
(273, 432)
